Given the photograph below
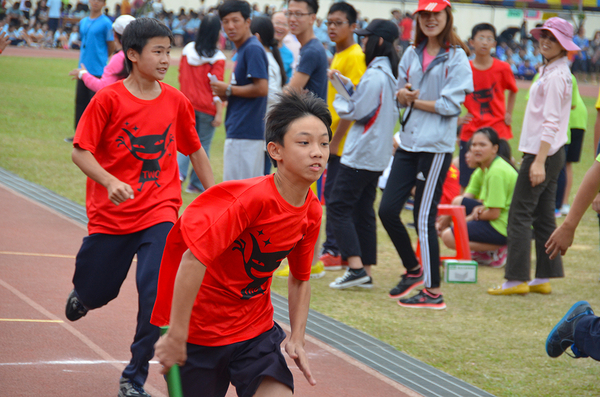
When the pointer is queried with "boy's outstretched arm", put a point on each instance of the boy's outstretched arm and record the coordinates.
(202, 168)
(118, 191)
(171, 348)
(562, 238)
(298, 301)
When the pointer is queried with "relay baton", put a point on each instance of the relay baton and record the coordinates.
(172, 377)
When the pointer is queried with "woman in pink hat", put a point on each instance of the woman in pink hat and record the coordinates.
(543, 135)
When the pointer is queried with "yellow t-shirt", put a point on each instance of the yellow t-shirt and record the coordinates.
(350, 63)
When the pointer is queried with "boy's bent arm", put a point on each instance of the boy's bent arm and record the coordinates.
(171, 348)
(202, 168)
(298, 301)
(562, 238)
(118, 191)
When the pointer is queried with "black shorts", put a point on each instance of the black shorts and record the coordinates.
(481, 231)
(209, 370)
(573, 149)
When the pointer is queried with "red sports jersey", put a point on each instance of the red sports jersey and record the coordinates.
(486, 103)
(451, 186)
(195, 84)
(241, 231)
(136, 141)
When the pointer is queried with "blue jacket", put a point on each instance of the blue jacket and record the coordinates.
(446, 81)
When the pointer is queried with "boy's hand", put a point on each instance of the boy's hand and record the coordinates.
(560, 241)
(507, 118)
(4, 40)
(465, 119)
(218, 120)
(296, 352)
(119, 192)
(537, 173)
(596, 203)
(170, 352)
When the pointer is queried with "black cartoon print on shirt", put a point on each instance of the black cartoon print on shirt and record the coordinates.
(260, 265)
(148, 149)
(483, 97)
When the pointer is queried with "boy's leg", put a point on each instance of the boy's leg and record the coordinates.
(397, 190)
(83, 96)
(365, 222)
(258, 358)
(587, 336)
(432, 170)
(205, 372)
(183, 162)
(464, 171)
(332, 169)
(205, 132)
(101, 266)
(151, 246)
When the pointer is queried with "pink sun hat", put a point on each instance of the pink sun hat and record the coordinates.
(561, 29)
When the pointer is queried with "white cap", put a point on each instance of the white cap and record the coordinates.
(121, 22)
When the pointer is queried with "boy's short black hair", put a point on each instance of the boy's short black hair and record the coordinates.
(290, 107)
(480, 27)
(138, 32)
(313, 5)
(231, 6)
(347, 9)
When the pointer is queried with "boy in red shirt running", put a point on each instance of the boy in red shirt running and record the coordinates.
(491, 77)
(215, 278)
(126, 143)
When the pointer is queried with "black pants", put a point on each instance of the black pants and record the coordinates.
(332, 169)
(426, 171)
(83, 96)
(351, 213)
(533, 206)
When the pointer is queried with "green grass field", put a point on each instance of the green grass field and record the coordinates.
(495, 343)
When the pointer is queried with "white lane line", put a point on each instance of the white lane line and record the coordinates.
(87, 341)
(70, 362)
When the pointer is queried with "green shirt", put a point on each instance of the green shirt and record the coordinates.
(495, 186)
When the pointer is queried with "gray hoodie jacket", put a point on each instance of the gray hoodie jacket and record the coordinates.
(373, 106)
(446, 81)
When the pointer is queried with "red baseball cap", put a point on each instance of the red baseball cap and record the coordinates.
(432, 5)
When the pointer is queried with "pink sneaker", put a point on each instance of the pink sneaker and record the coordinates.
(482, 258)
(499, 257)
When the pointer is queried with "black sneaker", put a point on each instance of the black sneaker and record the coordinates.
(75, 309)
(128, 388)
(424, 300)
(561, 336)
(368, 284)
(407, 283)
(351, 279)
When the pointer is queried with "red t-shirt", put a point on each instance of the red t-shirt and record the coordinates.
(136, 141)
(451, 186)
(241, 231)
(486, 102)
(195, 84)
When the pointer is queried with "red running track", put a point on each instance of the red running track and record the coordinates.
(42, 353)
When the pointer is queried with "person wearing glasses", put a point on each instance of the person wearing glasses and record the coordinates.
(543, 135)
(486, 105)
(311, 72)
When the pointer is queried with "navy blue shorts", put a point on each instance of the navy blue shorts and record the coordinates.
(574, 148)
(481, 231)
(209, 370)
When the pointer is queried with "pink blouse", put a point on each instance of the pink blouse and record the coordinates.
(109, 75)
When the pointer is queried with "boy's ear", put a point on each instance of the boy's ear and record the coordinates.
(274, 150)
(132, 55)
(471, 41)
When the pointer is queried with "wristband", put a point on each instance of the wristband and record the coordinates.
(81, 73)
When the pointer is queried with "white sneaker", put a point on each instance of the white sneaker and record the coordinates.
(564, 210)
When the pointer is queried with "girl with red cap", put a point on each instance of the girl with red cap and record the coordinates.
(543, 135)
(434, 76)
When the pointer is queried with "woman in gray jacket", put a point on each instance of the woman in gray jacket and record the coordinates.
(366, 153)
(433, 78)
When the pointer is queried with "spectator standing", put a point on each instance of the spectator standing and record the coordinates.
(54, 7)
(97, 43)
(366, 153)
(349, 61)
(486, 105)
(434, 77)
(580, 65)
(406, 28)
(199, 59)
(246, 94)
(544, 133)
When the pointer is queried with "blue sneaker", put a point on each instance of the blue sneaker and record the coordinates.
(561, 336)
